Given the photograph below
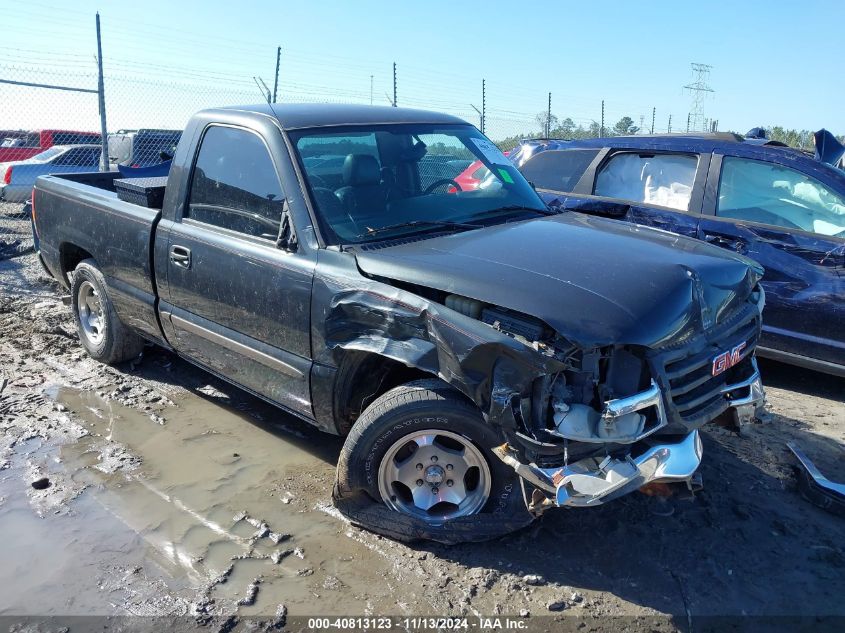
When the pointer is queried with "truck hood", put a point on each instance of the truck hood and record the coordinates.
(595, 281)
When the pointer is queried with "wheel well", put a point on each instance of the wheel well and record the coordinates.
(362, 377)
(69, 256)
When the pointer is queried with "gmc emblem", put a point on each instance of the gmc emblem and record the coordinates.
(726, 360)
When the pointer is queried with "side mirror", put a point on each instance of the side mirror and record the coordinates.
(287, 234)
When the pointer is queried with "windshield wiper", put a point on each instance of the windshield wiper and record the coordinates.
(431, 223)
(517, 207)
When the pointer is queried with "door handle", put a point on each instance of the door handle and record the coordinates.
(180, 256)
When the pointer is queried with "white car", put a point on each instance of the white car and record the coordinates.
(17, 178)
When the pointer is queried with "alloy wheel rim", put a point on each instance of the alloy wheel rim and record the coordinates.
(434, 475)
(90, 310)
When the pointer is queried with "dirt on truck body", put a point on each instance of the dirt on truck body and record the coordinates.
(159, 477)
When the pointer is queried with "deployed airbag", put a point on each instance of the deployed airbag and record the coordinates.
(661, 179)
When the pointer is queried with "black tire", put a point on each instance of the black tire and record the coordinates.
(422, 405)
(118, 343)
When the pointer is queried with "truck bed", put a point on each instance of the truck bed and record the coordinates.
(80, 216)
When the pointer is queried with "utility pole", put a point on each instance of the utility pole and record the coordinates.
(371, 90)
(689, 114)
(549, 117)
(653, 114)
(394, 85)
(601, 129)
(278, 61)
(670, 124)
(101, 94)
(483, 104)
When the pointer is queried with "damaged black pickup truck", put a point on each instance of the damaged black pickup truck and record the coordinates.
(486, 357)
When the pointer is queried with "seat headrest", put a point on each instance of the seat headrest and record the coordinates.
(361, 169)
(387, 176)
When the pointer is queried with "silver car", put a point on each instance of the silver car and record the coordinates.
(17, 178)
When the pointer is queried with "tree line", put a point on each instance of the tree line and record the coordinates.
(567, 129)
(802, 139)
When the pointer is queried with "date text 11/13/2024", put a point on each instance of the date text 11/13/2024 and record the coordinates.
(421, 623)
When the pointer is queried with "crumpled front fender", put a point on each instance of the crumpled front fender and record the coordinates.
(486, 365)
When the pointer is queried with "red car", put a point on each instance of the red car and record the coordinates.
(471, 177)
(20, 145)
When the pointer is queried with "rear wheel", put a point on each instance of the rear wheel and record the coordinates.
(101, 332)
(417, 464)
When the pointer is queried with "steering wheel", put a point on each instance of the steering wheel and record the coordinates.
(442, 181)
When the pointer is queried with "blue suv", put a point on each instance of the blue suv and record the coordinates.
(778, 205)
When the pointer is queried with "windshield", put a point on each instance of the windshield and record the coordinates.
(47, 154)
(384, 181)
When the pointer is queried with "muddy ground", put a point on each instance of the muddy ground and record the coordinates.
(152, 488)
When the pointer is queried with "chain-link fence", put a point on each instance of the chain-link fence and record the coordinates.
(55, 110)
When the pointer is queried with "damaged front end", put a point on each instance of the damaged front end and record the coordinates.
(621, 418)
(582, 427)
(595, 386)
(595, 480)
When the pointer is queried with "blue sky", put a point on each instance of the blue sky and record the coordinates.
(768, 68)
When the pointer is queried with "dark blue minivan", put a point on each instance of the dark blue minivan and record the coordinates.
(778, 205)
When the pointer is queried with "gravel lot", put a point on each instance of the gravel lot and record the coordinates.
(154, 489)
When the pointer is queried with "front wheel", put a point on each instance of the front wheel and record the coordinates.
(419, 460)
(435, 475)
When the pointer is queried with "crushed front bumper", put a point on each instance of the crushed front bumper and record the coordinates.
(595, 480)
(592, 481)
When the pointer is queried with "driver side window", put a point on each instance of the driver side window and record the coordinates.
(235, 185)
(771, 194)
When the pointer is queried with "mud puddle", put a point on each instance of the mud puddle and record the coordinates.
(196, 508)
(52, 555)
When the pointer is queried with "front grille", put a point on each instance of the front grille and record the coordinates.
(692, 394)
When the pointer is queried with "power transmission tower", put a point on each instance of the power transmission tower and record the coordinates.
(699, 89)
